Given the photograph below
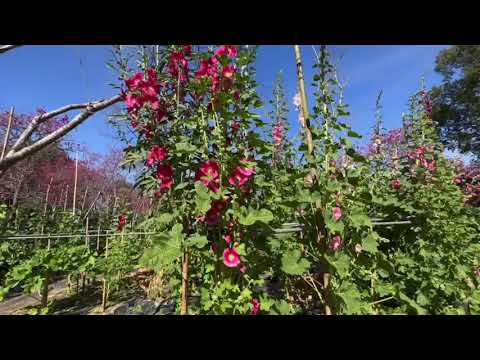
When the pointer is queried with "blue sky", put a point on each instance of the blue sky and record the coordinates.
(53, 76)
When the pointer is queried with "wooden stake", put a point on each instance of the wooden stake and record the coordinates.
(44, 301)
(7, 133)
(184, 307)
(84, 198)
(321, 238)
(303, 97)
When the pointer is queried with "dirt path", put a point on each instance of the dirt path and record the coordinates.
(10, 306)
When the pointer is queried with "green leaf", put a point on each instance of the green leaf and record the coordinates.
(353, 134)
(370, 243)
(181, 186)
(203, 199)
(352, 298)
(341, 263)
(196, 240)
(280, 308)
(412, 304)
(253, 216)
(293, 264)
(360, 220)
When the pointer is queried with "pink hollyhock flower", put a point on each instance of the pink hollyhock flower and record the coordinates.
(336, 213)
(165, 175)
(277, 134)
(336, 243)
(134, 124)
(240, 176)
(396, 184)
(213, 215)
(158, 153)
(208, 175)
(228, 71)
(132, 103)
(187, 49)
(214, 247)
(178, 64)
(255, 306)
(134, 82)
(227, 238)
(235, 127)
(121, 222)
(227, 50)
(208, 67)
(231, 258)
(243, 269)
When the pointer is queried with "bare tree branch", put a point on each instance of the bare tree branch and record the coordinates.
(5, 48)
(15, 155)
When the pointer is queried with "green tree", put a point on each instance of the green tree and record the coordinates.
(456, 102)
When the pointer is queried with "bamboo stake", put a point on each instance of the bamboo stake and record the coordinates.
(98, 236)
(84, 198)
(7, 133)
(184, 306)
(303, 98)
(44, 301)
(310, 148)
(75, 184)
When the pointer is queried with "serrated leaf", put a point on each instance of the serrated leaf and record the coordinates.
(370, 244)
(253, 216)
(341, 263)
(196, 240)
(293, 264)
(280, 308)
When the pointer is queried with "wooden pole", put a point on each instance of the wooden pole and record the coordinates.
(184, 306)
(7, 133)
(84, 198)
(321, 238)
(303, 98)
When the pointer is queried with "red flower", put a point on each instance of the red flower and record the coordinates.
(134, 82)
(187, 49)
(165, 175)
(214, 247)
(277, 134)
(228, 71)
(227, 50)
(396, 184)
(235, 127)
(240, 176)
(158, 153)
(121, 222)
(336, 213)
(231, 258)
(208, 175)
(255, 306)
(178, 64)
(336, 243)
(213, 215)
(227, 238)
